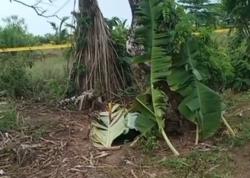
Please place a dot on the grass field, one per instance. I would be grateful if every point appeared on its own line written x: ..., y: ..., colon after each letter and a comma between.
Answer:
x: 49, y: 76
x: 50, y: 67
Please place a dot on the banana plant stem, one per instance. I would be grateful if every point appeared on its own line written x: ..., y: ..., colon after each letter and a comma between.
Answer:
x: 228, y: 126
x: 172, y: 148
x: 197, y: 135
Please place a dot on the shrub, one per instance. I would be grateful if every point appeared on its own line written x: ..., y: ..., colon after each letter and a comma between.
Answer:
x: 7, y: 117
x: 15, y: 34
x: 13, y: 77
x: 212, y: 61
x: 238, y: 49
x: 21, y: 76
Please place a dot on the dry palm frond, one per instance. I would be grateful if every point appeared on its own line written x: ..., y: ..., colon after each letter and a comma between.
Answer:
x: 95, y: 54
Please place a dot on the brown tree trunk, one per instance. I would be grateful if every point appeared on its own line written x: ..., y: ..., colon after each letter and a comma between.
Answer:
x: 133, y: 6
x: 96, y: 66
x: 141, y: 71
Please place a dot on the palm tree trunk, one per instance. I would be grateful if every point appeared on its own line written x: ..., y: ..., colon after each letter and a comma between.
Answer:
x: 96, y: 66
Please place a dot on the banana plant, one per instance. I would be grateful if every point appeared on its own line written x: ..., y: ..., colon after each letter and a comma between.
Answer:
x: 154, y: 42
x: 201, y: 105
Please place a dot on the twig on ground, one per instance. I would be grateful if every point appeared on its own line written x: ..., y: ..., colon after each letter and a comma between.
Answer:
x: 133, y: 174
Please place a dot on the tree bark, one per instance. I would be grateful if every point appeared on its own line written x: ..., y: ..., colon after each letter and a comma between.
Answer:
x: 133, y: 6
x: 96, y: 66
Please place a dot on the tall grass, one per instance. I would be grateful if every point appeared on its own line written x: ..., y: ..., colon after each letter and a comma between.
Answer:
x: 8, y: 117
x: 48, y: 77
x: 43, y: 78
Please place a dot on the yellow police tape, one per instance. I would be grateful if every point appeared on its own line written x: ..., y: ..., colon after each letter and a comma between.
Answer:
x: 34, y: 48
x: 50, y: 46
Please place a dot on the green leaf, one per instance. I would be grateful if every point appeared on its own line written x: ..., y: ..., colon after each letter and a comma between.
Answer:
x: 145, y: 121
x: 201, y: 104
x: 140, y: 122
x: 154, y: 42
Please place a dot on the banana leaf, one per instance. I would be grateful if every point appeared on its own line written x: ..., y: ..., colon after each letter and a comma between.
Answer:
x: 201, y: 105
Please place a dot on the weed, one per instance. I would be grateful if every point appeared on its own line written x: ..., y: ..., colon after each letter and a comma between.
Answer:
x: 149, y: 144
x: 198, y: 164
x: 8, y: 117
x: 243, y: 133
x: 215, y: 163
x: 48, y: 78
x: 13, y: 77
x: 39, y: 133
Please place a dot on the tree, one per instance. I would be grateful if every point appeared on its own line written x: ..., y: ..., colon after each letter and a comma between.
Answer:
x: 15, y: 34
x: 238, y: 12
x: 133, y: 47
x: 61, y: 33
x: 133, y: 6
x: 37, y: 8
x: 95, y: 61
x: 203, y: 12
x: 96, y: 65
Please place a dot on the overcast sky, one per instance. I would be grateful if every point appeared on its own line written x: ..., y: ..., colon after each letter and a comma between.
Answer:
x: 39, y: 25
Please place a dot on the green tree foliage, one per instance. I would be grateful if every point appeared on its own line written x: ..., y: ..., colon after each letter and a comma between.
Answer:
x: 119, y: 34
x: 61, y: 32
x: 14, y: 79
x: 238, y: 12
x: 156, y: 22
x: 203, y: 12
x: 200, y: 104
x: 14, y: 33
x: 239, y: 51
x: 212, y: 60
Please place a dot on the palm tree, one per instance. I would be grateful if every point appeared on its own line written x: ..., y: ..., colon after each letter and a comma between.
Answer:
x: 61, y: 33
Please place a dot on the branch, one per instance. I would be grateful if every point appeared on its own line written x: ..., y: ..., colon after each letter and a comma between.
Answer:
x: 39, y: 11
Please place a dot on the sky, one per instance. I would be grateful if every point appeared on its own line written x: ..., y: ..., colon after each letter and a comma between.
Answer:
x: 39, y: 25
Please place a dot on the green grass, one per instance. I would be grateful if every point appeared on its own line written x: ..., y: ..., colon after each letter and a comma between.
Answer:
x: 221, y: 38
x: 238, y: 115
x: 29, y: 76
x: 49, y: 78
x: 199, y: 164
x: 49, y: 68
x: 217, y: 162
x: 8, y: 117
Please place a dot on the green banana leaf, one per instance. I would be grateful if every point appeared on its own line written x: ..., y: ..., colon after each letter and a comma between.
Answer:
x: 201, y: 105
x: 145, y: 121
x: 155, y: 40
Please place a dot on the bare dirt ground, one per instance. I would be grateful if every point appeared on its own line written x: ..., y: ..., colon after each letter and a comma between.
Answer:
x: 54, y: 143
x: 241, y: 158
